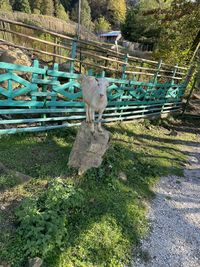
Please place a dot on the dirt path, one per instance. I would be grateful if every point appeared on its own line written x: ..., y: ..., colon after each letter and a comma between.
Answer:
x: 174, y: 217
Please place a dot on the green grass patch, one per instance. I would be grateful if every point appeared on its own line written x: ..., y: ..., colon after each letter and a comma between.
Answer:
x: 92, y: 220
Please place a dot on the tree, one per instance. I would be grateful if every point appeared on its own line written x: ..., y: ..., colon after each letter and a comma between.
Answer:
x: 132, y: 3
x: 59, y: 10
x: 138, y: 28
x: 154, y: 4
x: 68, y: 4
x: 102, y: 25
x: 86, y: 19
x: 5, y: 5
x: 22, y: 5
x: 61, y: 14
x: 98, y: 8
x: 37, y: 6
x: 180, y: 32
x: 47, y: 7
x: 116, y: 11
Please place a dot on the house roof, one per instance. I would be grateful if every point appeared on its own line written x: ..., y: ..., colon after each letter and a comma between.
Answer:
x: 110, y: 34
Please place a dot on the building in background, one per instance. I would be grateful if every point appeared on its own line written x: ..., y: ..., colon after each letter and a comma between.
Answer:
x: 116, y: 38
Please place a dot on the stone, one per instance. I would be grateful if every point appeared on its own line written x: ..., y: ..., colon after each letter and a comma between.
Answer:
x: 35, y: 262
x: 4, y: 264
x: 18, y: 57
x: 173, y: 133
x: 122, y: 176
x: 88, y: 148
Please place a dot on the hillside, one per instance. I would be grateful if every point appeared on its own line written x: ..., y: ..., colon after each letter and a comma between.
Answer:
x: 49, y: 23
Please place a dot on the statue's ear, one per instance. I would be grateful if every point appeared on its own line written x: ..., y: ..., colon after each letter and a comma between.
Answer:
x: 106, y: 82
x: 81, y: 78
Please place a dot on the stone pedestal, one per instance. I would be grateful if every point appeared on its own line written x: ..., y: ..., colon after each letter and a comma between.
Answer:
x: 88, y: 148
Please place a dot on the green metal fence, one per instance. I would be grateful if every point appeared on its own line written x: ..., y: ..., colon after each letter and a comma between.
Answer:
x: 39, y: 98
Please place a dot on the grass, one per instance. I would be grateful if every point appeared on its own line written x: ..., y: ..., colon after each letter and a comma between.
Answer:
x: 111, y: 216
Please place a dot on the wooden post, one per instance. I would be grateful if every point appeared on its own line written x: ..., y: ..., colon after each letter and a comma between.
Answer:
x: 54, y: 49
x: 139, y: 75
x: 73, y: 55
x: 106, y: 61
x: 90, y: 72
x: 189, y: 75
x: 44, y: 89
x: 174, y: 73
x: 190, y: 95
x: 34, y: 76
x: 124, y: 66
x: 54, y: 97
x: 102, y: 74
x: 157, y: 72
x: 10, y: 86
x: 80, y: 65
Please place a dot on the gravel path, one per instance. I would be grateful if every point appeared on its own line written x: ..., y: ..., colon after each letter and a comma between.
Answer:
x: 174, y: 218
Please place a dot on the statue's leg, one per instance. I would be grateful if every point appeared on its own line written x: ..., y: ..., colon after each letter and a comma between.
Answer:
x: 92, y: 119
x: 99, y: 121
x: 87, y: 113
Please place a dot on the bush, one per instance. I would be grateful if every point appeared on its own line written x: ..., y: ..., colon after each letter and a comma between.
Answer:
x: 43, y: 220
x: 102, y: 25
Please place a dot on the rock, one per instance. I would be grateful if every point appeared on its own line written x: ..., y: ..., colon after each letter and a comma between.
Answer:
x: 122, y: 176
x: 21, y: 177
x: 173, y: 132
x: 3, y: 47
x: 88, y: 149
x: 4, y: 264
x: 16, y: 56
x: 35, y: 262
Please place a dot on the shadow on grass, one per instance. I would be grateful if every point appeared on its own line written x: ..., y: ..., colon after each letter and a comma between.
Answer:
x: 112, y: 216
x: 42, y: 155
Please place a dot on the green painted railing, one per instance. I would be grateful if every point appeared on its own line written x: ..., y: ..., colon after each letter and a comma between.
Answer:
x: 37, y: 99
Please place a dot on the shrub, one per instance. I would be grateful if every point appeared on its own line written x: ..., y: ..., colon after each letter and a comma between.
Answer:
x: 43, y: 220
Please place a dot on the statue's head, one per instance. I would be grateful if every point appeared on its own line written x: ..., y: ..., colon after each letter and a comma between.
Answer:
x: 102, y: 84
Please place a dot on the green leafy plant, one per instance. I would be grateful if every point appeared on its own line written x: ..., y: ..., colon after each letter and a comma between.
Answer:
x: 43, y: 220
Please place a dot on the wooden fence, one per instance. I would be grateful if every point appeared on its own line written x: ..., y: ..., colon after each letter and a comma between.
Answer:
x: 39, y: 98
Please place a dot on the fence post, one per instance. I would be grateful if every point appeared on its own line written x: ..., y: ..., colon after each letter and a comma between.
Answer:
x: 157, y: 71
x: 155, y: 78
x: 124, y: 66
x: 80, y: 65
x: 174, y: 73
x: 34, y: 76
x: 186, y: 82
x: 54, y: 96
x: 44, y: 89
x: 10, y: 86
x: 90, y: 72
x: 103, y: 74
x: 106, y: 61
x: 189, y: 97
x: 55, y: 49
x: 73, y: 55
x: 71, y: 69
x: 141, y: 65
x: 189, y: 75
